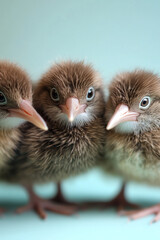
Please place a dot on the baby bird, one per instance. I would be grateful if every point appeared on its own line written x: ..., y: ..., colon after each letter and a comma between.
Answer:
x: 16, y: 98
x: 133, y: 149
x: 70, y: 99
x: 15, y: 108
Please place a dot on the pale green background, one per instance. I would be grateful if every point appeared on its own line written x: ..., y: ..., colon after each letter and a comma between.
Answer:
x: 114, y: 36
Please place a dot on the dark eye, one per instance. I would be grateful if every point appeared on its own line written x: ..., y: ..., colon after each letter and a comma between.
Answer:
x: 3, y: 99
x: 145, y: 102
x: 90, y: 94
x: 54, y: 94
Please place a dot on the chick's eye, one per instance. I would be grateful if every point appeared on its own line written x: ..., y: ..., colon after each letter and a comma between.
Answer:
x: 54, y: 94
x: 144, y: 103
x: 3, y: 99
x: 90, y: 94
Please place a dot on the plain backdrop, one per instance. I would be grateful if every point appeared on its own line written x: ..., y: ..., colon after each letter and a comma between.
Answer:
x: 114, y: 36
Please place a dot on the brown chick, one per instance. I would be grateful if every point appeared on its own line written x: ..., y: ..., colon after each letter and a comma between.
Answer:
x: 16, y: 98
x: 132, y: 146
x: 70, y: 99
x: 15, y: 108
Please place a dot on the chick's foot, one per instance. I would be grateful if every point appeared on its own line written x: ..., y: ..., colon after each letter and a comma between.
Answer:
x: 137, y: 214
x: 40, y: 205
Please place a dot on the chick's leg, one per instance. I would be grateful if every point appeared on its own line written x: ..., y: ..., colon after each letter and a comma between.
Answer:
x: 39, y: 205
x: 59, y: 198
x: 59, y: 195
x: 120, y: 202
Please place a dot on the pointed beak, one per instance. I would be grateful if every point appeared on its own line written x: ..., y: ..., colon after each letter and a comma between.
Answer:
x: 72, y: 108
x: 121, y: 114
x: 27, y: 112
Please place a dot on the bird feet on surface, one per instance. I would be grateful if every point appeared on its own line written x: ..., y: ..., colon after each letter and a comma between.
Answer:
x: 136, y: 214
x: 119, y: 202
x: 39, y: 205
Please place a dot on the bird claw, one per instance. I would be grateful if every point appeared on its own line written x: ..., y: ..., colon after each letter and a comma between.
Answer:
x: 134, y: 215
x: 40, y: 205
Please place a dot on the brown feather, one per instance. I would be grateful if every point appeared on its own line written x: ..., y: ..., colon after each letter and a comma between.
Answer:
x: 14, y: 81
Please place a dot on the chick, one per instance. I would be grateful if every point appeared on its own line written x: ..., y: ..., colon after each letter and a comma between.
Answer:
x: 132, y: 149
x: 15, y: 108
x: 16, y: 98
x: 70, y: 99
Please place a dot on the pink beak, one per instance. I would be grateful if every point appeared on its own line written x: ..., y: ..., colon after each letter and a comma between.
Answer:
x: 121, y: 114
x: 27, y: 112
x: 72, y: 108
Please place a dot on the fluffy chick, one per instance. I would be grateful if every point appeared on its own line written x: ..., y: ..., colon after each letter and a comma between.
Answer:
x: 70, y: 99
x: 15, y: 108
x: 132, y: 146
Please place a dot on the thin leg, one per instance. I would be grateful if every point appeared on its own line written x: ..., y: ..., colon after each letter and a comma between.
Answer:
x: 120, y: 202
x: 39, y: 205
x: 59, y: 198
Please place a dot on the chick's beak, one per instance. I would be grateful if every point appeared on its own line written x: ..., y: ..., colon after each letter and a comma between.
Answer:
x: 72, y: 108
x: 27, y: 112
x: 121, y: 114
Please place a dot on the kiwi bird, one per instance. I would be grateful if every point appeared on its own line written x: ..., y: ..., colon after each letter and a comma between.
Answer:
x: 70, y: 98
x: 133, y: 124
x: 15, y: 108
